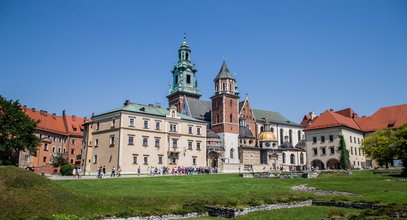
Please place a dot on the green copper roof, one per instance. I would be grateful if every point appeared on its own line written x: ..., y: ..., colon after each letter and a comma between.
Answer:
x: 150, y: 110
x: 224, y: 72
x: 273, y: 117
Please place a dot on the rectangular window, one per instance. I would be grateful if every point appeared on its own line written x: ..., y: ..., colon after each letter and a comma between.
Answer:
x: 135, y: 158
x: 331, y: 138
x: 351, y: 150
x: 45, y: 147
x: 53, y: 149
x: 322, y: 139
x: 174, y: 142
x: 354, y: 140
x: 71, y: 160
x: 173, y: 128
x: 145, y: 123
x: 350, y: 138
x: 189, y: 130
x: 73, y: 141
x: 189, y: 145
x: 160, y: 160
x: 198, y: 145
x: 95, y: 158
x: 145, y: 141
x: 332, y: 149
x: 72, y: 151
x: 359, y: 152
x: 194, y: 160
x: 96, y: 142
x: 131, y: 140
x: 314, y: 140
x: 111, y: 140
x: 131, y: 122
x: 145, y: 159
x: 44, y: 159
x: 198, y: 131
x: 97, y: 126
x: 315, y: 151
x: 323, y: 149
x: 188, y: 79
x: 157, y: 125
x: 157, y: 142
x: 113, y: 122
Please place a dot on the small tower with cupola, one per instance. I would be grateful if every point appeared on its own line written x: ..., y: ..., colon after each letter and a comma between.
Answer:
x: 225, y: 113
x: 184, y: 83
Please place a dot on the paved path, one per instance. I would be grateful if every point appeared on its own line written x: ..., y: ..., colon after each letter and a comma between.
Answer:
x: 58, y: 177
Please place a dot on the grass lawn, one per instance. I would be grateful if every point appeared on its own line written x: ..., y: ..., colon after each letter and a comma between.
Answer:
x: 24, y: 194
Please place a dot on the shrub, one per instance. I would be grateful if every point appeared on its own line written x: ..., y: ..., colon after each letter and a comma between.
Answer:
x: 66, y: 170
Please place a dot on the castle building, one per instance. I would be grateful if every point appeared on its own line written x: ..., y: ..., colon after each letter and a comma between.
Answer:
x: 141, y: 136
x: 58, y: 135
x: 322, y: 134
x: 233, y: 122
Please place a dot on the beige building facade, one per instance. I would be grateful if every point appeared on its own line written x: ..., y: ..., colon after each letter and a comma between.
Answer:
x: 137, y: 137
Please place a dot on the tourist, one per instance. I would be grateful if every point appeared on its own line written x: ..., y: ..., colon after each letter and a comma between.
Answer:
x: 103, y: 172
x: 79, y: 172
x: 119, y: 171
x: 113, y: 174
x: 99, y: 172
x: 74, y: 172
x: 138, y: 171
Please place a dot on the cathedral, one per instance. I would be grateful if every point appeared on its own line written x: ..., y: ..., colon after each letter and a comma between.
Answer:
x: 239, y: 137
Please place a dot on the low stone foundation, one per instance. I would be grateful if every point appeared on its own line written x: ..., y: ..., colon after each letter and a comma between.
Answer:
x: 280, y: 175
x: 309, y: 189
x: 163, y: 217
x: 348, y: 205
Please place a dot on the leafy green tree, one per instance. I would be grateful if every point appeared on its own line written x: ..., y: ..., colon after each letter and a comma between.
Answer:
x: 344, y: 153
x: 59, y: 160
x: 401, y: 146
x: 381, y: 146
x: 16, y: 132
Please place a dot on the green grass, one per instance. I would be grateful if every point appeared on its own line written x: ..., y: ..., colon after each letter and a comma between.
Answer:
x: 24, y: 194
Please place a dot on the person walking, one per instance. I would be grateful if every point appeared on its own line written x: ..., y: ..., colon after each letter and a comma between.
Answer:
x: 119, y: 171
x: 74, y: 172
x: 138, y: 171
x: 113, y: 174
x: 79, y: 171
x: 103, y: 171
x: 99, y: 172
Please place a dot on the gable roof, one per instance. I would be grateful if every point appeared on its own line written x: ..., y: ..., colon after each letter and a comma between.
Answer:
x: 74, y: 124
x: 224, y: 72
x: 198, y: 109
x: 150, y: 110
x: 273, y: 117
x: 348, y: 112
x: 48, y: 122
x: 332, y: 119
x: 387, y: 117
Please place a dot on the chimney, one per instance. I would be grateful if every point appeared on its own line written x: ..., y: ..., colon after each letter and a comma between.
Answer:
x: 33, y: 109
x: 73, y: 117
x: 54, y: 116
x: 331, y: 109
x: 93, y: 114
x: 312, y: 115
x: 63, y: 112
x: 127, y: 102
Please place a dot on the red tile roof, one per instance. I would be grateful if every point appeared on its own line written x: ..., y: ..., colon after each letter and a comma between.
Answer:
x: 75, y: 124
x: 387, y: 117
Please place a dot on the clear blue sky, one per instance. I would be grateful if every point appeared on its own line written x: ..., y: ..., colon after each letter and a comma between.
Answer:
x: 290, y: 56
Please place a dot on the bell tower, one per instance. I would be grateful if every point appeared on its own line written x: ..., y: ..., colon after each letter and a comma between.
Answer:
x: 184, y: 83
x: 225, y: 112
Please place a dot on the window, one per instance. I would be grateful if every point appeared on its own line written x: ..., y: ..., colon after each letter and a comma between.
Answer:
x: 351, y: 150
x: 189, y: 130
x: 301, y: 158
x: 174, y: 143
x: 45, y: 147
x: 283, y: 157
x: 157, y: 142
x: 331, y: 138
x: 188, y: 79
x: 95, y: 158
x: 350, y: 138
x: 131, y: 122
x: 290, y: 136
x: 322, y: 139
x: 135, y: 158
x: 145, y: 141
x: 145, y: 123
x: 64, y: 150
x: 54, y: 138
x: 59, y: 150
x: 358, y: 140
x: 323, y: 149
x: 231, y: 103
x: 111, y: 140
x: 315, y: 151
x: 53, y: 149
x: 231, y: 153
x: 332, y: 150
x: 299, y: 135
x: 145, y: 159
x: 281, y: 136
x: 314, y: 140
x: 217, y: 118
x: 359, y: 152
x: 74, y: 129
x: 73, y: 141
x: 173, y: 128
x: 160, y: 159
x: 292, y: 159
x: 354, y: 140
x: 97, y: 126
x: 72, y: 151
x: 194, y: 160
x: 217, y: 86
x: 131, y: 140
x: 198, y: 131
x: 189, y: 145
x: 223, y: 86
x: 96, y: 142
x: 71, y: 160
x: 231, y: 118
x: 198, y: 145
x: 157, y: 125
x: 113, y: 122
x: 44, y: 159
x: 230, y: 87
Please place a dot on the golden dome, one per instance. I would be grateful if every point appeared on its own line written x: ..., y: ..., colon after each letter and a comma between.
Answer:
x: 267, y: 136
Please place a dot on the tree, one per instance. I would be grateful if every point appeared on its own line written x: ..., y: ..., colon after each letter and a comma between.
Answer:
x: 344, y: 153
x: 401, y: 146
x: 380, y: 146
x: 59, y: 160
x: 16, y: 132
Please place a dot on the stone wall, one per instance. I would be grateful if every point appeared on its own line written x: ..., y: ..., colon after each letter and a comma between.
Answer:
x: 348, y: 205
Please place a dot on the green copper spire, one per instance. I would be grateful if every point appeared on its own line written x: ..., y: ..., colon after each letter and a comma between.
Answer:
x: 184, y: 73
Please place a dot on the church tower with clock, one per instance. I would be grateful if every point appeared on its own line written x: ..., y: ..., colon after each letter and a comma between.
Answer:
x: 184, y: 83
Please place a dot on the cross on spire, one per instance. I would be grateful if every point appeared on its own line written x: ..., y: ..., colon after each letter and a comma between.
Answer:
x: 185, y: 36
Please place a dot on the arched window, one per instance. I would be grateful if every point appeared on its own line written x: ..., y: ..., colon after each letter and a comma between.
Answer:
x: 290, y: 135
x: 187, y: 56
x: 299, y: 135
x: 231, y: 118
x: 224, y: 86
x: 261, y: 129
x: 231, y: 88
x: 283, y: 157
x: 292, y: 159
x: 302, y: 158
x: 217, y: 118
x: 217, y: 86
x: 231, y: 103
x: 281, y: 136
x: 272, y: 130
x: 231, y: 153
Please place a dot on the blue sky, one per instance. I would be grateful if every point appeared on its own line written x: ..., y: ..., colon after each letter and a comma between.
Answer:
x: 289, y: 56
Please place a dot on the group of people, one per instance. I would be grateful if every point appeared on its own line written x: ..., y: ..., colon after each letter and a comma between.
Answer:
x: 180, y: 170
x: 77, y: 172
x: 115, y: 172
